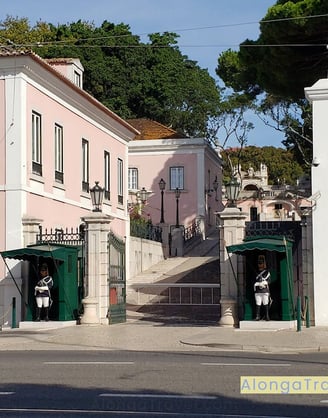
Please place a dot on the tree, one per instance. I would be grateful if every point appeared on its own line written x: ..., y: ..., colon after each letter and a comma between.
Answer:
x: 291, y: 46
x: 272, y: 71
x: 282, y: 167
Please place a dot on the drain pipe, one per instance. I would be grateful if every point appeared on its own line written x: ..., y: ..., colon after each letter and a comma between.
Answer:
x: 13, y: 314
x: 307, y: 312
x: 299, y: 318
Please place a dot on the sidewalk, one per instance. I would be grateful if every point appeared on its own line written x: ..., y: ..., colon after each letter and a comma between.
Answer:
x: 139, y: 335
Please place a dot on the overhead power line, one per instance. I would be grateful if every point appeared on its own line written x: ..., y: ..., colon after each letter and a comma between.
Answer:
x: 148, y: 46
x: 72, y: 42
x: 248, y: 23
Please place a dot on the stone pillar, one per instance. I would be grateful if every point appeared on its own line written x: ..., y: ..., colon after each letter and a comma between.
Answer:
x: 96, y: 301
x: 232, y: 231
x: 165, y: 239
x: 30, y: 230
x: 177, y: 242
x: 201, y: 222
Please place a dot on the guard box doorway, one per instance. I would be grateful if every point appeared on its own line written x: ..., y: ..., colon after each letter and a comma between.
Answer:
x: 65, y: 265
x: 278, y: 253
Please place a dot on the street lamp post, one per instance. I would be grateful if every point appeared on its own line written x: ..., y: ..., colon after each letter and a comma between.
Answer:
x: 141, y: 199
x: 162, y: 188
x: 177, y: 196
x: 143, y: 195
x: 96, y: 194
x: 232, y: 191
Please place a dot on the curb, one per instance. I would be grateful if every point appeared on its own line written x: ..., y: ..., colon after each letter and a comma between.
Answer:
x: 256, y: 348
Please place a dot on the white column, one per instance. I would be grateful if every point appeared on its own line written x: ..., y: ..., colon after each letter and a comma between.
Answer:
x: 96, y: 302
x: 318, y: 95
x: 232, y: 231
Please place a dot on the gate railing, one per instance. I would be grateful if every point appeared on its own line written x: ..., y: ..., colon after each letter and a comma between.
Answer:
x: 62, y: 236
x: 116, y: 279
x: 177, y: 294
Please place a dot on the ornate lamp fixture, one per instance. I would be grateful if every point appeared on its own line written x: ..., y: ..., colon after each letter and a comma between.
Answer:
x: 232, y: 192
x: 96, y: 194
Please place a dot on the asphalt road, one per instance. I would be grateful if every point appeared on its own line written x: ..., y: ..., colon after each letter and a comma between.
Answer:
x: 152, y: 384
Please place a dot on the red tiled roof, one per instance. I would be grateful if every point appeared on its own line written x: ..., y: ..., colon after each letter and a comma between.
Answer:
x: 7, y: 51
x: 59, y: 60
x: 150, y: 129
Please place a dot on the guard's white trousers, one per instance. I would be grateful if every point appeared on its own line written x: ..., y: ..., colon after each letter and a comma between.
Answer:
x: 42, y: 301
x: 262, y: 298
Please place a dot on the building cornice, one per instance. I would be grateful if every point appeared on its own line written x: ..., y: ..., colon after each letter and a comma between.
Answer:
x: 319, y: 90
x: 42, y: 73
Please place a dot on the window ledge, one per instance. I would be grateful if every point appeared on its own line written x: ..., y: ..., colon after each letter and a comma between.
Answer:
x: 37, y: 177
x: 58, y: 185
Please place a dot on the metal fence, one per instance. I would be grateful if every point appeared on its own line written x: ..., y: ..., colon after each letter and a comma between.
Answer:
x: 146, y: 231
x: 177, y: 294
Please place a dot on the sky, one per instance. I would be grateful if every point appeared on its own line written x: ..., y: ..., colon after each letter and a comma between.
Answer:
x: 206, y: 28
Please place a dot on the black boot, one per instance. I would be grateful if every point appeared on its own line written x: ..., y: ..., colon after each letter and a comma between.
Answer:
x: 38, y: 312
x: 47, y: 314
x: 258, y: 313
x: 267, y: 318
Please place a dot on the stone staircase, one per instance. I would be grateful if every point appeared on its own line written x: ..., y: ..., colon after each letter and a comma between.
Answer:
x: 191, y: 282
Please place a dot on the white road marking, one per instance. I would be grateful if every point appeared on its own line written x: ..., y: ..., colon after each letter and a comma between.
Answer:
x: 131, y: 413
x: 7, y: 393
x: 82, y: 363
x: 57, y: 411
x: 247, y: 364
x: 150, y: 395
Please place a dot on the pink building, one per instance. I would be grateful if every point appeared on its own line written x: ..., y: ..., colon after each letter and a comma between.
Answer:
x: 56, y: 140
x: 190, y: 164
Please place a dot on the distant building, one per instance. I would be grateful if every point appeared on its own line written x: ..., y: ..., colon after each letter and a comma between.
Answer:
x: 264, y: 202
x: 190, y: 164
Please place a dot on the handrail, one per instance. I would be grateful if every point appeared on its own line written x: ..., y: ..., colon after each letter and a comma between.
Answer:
x: 192, y: 230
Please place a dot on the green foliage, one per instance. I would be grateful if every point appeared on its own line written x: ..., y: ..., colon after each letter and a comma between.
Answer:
x: 281, y: 164
x: 139, y: 225
x: 19, y: 33
x: 134, y: 79
x: 272, y: 71
x: 267, y: 65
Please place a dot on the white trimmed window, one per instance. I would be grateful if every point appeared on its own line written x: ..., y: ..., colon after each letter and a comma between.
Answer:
x: 85, y: 165
x: 77, y: 79
x: 176, y: 178
x: 120, y: 181
x: 133, y: 179
x: 107, y: 175
x: 36, y: 144
x: 59, y: 154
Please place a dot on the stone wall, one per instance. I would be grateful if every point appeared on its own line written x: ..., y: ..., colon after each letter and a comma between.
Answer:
x: 143, y: 254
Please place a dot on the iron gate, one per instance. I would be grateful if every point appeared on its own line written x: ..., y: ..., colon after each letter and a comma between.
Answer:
x: 116, y: 280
